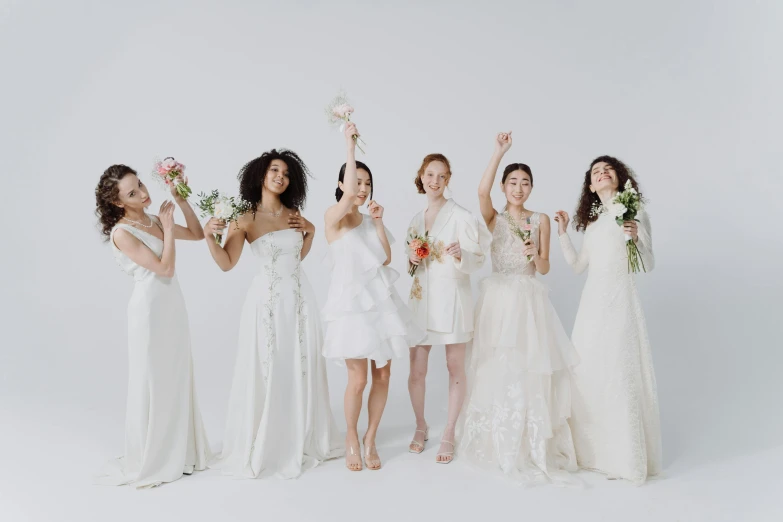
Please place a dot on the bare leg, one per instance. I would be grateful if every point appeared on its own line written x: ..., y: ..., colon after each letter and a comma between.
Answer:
x: 357, y: 381
x: 455, y: 361
x: 379, y: 391
x: 417, y: 387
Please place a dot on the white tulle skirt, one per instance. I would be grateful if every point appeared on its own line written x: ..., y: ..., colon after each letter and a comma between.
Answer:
x: 519, y: 397
x: 364, y: 317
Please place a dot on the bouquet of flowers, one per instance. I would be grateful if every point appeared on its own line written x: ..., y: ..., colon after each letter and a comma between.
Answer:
x: 222, y: 207
x: 420, y: 245
x: 523, y: 232
x: 624, y: 207
x: 167, y: 172
x: 339, y: 113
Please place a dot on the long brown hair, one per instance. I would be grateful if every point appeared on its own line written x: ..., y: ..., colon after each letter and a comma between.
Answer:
x: 106, y: 196
x: 583, y: 215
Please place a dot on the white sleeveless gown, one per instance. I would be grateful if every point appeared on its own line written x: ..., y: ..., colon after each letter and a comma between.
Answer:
x: 164, y: 433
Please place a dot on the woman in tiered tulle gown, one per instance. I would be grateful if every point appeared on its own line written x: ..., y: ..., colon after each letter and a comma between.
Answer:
x: 615, y: 417
x: 164, y: 435
x: 279, y: 421
x: 519, y: 398
x: 365, y: 318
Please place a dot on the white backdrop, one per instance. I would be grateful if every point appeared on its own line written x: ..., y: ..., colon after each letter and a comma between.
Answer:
x: 687, y: 93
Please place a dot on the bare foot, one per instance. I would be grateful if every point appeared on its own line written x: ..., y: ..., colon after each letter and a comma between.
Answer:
x: 419, y: 438
x: 353, y: 459
x: 371, y: 458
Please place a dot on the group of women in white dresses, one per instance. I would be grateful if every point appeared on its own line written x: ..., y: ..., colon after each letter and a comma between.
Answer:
x: 524, y: 399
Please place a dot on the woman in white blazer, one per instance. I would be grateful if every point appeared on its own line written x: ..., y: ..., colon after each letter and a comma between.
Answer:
x: 441, y: 297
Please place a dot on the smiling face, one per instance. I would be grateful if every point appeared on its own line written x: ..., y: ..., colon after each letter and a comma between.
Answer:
x: 132, y: 193
x: 603, y: 176
x: 364, y: 184
x: 435, y: 178
x: 517, y: 187
x: 276, y: 179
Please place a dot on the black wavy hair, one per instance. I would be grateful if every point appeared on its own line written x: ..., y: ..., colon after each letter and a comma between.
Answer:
x: 252, y: 176
x: 359, y: 165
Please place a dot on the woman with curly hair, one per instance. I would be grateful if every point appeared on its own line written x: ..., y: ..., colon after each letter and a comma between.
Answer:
x: 441, y: 297
x: 279, y: 421
x: 614, y: 418
x: 164, y: 435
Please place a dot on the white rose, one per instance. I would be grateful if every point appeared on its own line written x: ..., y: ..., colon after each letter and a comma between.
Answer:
x: 223, y: 210
x: 617, y: 210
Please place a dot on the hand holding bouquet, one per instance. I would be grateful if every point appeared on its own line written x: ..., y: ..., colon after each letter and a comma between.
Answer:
x: 420, y: 248
x: 624, y: 207
x: 171, y: 173
x: 224, y: 208
x: 339, y: 113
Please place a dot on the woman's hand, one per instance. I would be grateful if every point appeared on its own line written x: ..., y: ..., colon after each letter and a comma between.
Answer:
x: 503, y: 142
x: 166, y: 216
x: 631, y: 228
x: 298, y: 222
x: 561, y: 216
x: 454, y: 250
x: 376, y: 211
x: 173, y: 188
x: 349, y: 132
x: 530, y: 250
x: 214, y: 227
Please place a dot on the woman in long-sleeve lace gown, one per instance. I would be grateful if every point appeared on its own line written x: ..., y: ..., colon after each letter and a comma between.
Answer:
x: 614, y: 418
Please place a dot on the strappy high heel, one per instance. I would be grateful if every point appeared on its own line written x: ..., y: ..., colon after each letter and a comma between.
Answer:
x: 419, y: 445
x: 449, y: 454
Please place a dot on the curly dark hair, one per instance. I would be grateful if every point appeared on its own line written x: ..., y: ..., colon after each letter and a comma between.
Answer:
x: 513, y: 167
x: 429, y: 158
x: 106, y: 196
x: 338, y: 193
x: 252, y: 176
x: 582, y: 216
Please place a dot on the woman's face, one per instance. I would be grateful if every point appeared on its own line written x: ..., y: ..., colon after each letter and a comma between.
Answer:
x: 276, y: 179
x: 133, y: 193
x: 603, y: 176
x: 517, y: 187
x: 435, y: 178
x: 364, y: 184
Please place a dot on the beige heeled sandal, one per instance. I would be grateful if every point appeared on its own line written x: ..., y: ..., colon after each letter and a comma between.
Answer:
x: 449, y: 454
x: 419, y: 445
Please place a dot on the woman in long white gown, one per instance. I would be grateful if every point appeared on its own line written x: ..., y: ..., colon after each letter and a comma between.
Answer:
x: 364, y: 316
x: 279, y: 421
x: 614, y: 419
x: 164, y: 434
x: 441, y: 297
x: 515, y: 418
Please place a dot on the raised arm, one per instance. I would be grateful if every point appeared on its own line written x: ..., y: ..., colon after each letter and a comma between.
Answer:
x: 193, y: 230
x: 227, y: 256
x: 502, y: 144
x: 577, y: 260
x: 350, y: 184
x: 140, y: 254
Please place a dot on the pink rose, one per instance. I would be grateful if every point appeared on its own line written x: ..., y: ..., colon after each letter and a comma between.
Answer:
x: 341, y: 111
x: 415, y: 244
x: 169, y: 163
x: 527, y: 227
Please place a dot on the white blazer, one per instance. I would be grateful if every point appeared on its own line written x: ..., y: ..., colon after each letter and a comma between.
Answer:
x: 441, y: 285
